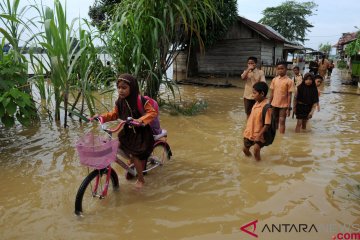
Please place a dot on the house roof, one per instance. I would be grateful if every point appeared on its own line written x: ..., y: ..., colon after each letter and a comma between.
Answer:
x: 265, y: 31
x: 270, y: 33
x: 346, y: 38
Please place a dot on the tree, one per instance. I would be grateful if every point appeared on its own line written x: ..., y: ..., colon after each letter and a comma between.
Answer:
x: 102, y: 12
x: 325, y: 48
x: 143, y: 37
x: 290, y: 19
x: 227, y: 12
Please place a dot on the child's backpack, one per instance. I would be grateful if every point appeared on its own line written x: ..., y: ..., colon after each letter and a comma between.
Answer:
x: 155, y: 124
x: 269, y: 134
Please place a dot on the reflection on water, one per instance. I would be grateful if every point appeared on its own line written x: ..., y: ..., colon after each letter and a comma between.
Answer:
x: 207, y: 191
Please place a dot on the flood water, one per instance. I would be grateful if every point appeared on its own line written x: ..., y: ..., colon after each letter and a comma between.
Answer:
x: 208, y: 190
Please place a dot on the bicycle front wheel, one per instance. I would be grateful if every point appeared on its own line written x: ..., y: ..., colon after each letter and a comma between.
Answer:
x: 91, y: 189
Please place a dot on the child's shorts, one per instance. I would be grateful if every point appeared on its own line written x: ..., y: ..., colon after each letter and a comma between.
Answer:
x: 248, y: 104
x: 248, y: 143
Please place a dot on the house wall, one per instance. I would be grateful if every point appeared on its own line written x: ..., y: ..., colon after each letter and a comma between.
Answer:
x: 279, y: 52
x: 271, y: 52
x: 267, y: 53
x: 229, y: 55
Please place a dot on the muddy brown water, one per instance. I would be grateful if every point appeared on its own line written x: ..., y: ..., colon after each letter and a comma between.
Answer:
x: 207, y: 191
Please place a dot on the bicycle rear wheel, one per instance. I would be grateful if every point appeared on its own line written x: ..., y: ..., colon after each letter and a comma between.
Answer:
x: 160, y: 155
x: 91, y: 189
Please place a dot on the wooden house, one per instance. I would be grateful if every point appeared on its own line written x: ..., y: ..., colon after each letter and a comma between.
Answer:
x: 345, y: 39
x: 228, y: 56
x: 354, y: 60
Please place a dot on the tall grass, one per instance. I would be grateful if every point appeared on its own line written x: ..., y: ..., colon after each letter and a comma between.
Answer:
x: 63, y: 52
x: 145, y: 35
x: 11, y: 18
x: 86, y: 82
x: 142, y: 40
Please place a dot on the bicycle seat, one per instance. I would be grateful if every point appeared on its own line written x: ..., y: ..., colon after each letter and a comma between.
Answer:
x: 162, y: 134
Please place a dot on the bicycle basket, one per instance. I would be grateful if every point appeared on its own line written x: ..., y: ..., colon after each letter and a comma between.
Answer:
x: 96, y: 151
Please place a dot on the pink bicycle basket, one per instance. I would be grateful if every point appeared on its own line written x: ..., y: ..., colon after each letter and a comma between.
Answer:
x: 96, y: 151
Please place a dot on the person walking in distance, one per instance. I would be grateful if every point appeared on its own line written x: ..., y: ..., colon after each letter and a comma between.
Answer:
x: 323, y: 66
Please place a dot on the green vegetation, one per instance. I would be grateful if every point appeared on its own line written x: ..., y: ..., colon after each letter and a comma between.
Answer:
x: 290, y: 19
x: 102, y: 12
x: 325, y: 48
x: 141, y: 37
x: 341, y: 64
x: 227, y: 15
x: 353, y: 48
x: 15, y: 100
x: 70, y: 68
x: 58, y: 42
x: 144, y: 36
x: 186, y: 108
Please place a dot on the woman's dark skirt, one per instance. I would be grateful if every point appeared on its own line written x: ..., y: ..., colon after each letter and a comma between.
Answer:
x: 302, y: 111
x: 138, y: 143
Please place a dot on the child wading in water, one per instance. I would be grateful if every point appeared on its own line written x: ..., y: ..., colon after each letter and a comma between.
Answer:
x: 280, y: 97
x: 251, y: 76
x: 136, y: 143
x: 306, y: 100
x: 255, y: 128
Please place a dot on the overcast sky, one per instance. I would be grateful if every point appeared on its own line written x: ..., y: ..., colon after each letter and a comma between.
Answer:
x: 331, y: 20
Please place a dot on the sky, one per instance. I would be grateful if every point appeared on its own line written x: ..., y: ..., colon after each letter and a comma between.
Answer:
x: 331, y: 20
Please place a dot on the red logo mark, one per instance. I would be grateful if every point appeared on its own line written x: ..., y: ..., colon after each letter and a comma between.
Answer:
x: 244, y: 228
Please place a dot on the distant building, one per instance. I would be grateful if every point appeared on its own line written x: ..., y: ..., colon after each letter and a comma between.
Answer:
x: 353, y: 62
x: 345, y: 39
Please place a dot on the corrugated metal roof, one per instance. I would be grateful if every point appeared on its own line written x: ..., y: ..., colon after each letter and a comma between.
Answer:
x: 263, y: 30
x: 346, y: 38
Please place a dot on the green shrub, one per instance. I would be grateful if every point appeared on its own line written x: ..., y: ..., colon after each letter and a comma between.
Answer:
x: 186, y: 108
x: 15, y: 103
x: 341, y: 64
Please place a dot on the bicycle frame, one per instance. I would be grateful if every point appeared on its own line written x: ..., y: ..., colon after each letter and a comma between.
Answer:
x: 99, y: 181
x: 106, y: 187
x: 125, y: 166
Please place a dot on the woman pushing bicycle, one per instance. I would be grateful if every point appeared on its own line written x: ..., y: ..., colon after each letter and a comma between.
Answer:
x: 136, y: 143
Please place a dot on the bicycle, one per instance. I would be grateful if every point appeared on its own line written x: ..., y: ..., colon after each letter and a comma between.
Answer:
x: 99, y: 153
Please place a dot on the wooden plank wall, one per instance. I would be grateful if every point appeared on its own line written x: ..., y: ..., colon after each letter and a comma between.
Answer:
x: 279, y: 52
x: 267, y: 53
x: 229, y: 56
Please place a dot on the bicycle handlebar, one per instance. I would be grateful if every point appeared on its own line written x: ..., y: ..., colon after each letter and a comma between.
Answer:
x: 130, y: 121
